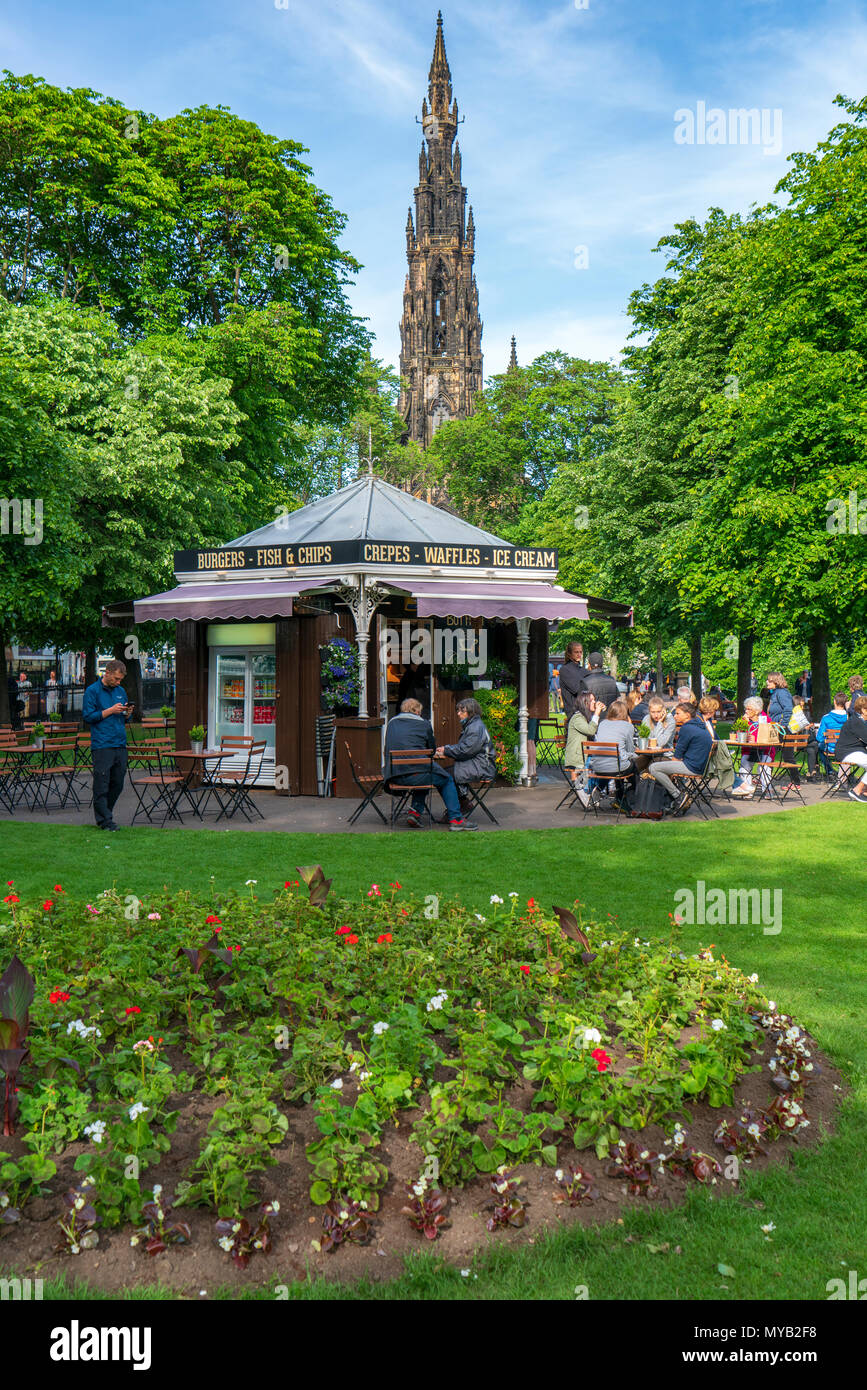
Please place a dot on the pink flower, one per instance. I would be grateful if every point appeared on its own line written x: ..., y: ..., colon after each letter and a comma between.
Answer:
x: 374, y: 891
x: 94, y: 911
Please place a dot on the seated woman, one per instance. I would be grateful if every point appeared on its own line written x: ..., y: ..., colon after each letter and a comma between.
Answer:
x: 615, y: 727
x: 582, y: 725
x: 708, y: 708
x: 661, y: 722
x: 475, y: 759
x: 754, y: 711
x: 637, y: 707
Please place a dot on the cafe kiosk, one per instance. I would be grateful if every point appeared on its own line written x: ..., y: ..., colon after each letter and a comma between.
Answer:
x: 361, y: 564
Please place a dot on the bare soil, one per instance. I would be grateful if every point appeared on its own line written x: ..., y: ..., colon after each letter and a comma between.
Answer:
x: 196, y: 1270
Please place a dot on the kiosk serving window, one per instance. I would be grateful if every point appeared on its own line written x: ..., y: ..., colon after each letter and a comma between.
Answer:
x: 243, y: 695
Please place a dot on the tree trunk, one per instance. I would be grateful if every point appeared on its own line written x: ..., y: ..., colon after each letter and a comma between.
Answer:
x: 745, y: 666
x: 132, y: 682
x: 5, y: 711
x: 90, y: 666
x: 818, y: 646
x: 659, y: 665
x: 695, y: 665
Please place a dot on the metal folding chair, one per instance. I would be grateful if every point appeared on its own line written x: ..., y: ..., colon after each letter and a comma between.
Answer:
x: 791, y: 747
x: 477, y: 792
x: 235, y: 785
x: 402, y: 763
x: 55, y: 776
x: 843, y: 778
x: 698, y: 785
x: 550, y: 742
x: 622, y: 777
x: 155, y: 791
x: 369, y: 784
x: 326, y: 733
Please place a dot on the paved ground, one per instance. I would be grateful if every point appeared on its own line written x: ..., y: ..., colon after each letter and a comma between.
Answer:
x: 516, y: 808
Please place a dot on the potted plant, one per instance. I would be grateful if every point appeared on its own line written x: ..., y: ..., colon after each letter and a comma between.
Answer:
x: 740, y: 730
x: 497, y: 674
x: 642, y: 734
x: 166, y: 713
x: 37, y: 735
x: 54, y: 718
x: 197, y: 738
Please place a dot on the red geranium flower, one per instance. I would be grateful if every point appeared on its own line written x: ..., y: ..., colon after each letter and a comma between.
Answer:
x: 403, y: 912
x: 133, y: 1009
x: 9, y: 882
x: 58, y: 996
x: 57, y: 888
x: 234, y: 948
x: 525, y: 969
x: 218, y: 929
x: 384, y: 940
x: 47, y: 906
x: 601, y: 1058
x: 212, y: 919
x: 352, y: 940
x: 12, y: 898
x: 394, y: 885
x: 341, y: 931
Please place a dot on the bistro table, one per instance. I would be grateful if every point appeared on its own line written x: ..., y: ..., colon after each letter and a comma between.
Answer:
x: 18, y: 789
x: 645, y: 756
x: 199, y: 766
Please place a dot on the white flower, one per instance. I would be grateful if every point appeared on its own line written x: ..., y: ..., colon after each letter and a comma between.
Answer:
x: 495, y: 899
x: 353, y: 1066
x: 136, y: 1110
x: 77, y: 1026
x: 154, y: 917
x: 75, y: 1249
x: 379, y: 1028
x: 225, y: 1242
x: 337, y: 1085
x: 772, y: 1006
x: 95, y: 1131
x: 465, y: 1273
x: 592, y: 1035
x: 753, y: 1129
x: 559, y: 1175
x: 363, y: 1075
x: 437, y: 1001
x: 134, y: 1240
x: 718, y: 1026
x: 251, y: 880
x: 770, y: 1227
x: 419, y: 1188
x: 158, y: 1187
x: 479, y: 917
x: 275, y: 1206
x: 511, y: 895
x: 754, y: 979
x: 344, y: 1216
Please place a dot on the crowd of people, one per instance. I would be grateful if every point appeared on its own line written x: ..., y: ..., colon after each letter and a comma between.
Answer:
x: 596, y: 710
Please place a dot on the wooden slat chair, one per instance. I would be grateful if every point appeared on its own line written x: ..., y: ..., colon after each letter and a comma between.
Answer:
x: 792, y: 748
x: 160, y: 786
x: 235, y: 785
x: 404, y: 762
x: 369, y: 784
x: 56, y: 776
x: 842, y: 778
x: 697, y: 784
x: 622, y: 777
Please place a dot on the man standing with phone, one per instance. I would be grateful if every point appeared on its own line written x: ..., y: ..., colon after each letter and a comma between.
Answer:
x: 107, y: 717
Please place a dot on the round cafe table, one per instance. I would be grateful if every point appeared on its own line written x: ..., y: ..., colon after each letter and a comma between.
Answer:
x: 645, y: 756
x: 199, y: 767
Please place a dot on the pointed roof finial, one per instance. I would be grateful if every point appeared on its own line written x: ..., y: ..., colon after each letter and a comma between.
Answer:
x: 439, y: 67
x: 513, y: 359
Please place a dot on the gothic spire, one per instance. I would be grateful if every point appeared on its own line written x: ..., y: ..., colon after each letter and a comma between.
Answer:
x: 513, y: 359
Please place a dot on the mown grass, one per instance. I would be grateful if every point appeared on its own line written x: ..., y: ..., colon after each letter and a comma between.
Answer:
x: 814, y: 968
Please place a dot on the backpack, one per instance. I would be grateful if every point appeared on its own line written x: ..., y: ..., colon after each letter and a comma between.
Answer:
x: 648, y: 800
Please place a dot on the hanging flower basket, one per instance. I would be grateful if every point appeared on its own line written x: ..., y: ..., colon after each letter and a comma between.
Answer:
x: 340, y: 677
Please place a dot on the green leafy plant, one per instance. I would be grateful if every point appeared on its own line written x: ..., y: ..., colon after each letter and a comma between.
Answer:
x: 159, y: 1231
x: 240, y: 1239
x: 197, y: 733
x: 643, y: 730
x: 166, y: 712
x: 740, y: 726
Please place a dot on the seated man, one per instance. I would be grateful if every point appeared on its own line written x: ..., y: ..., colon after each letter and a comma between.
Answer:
x: 692, y: 745
x: 832, y: 722
x: 409, y: 731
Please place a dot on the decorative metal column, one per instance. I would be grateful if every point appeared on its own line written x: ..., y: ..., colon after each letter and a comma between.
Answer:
x: 362, y: 599
x: 523, y: 625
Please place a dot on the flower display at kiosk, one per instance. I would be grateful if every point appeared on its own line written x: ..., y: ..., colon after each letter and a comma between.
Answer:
x: 339, y: 674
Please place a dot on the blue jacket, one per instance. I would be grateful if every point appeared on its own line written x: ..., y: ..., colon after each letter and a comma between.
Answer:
x: 692, y: 744
x: 104, y: 733
x: 834, y: 719
x: 780, y: 706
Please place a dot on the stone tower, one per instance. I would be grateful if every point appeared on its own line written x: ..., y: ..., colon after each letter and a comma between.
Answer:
x: 440, y: 332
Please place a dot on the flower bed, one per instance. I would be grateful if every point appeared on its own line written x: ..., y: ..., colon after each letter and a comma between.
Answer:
x: 369, y: 1063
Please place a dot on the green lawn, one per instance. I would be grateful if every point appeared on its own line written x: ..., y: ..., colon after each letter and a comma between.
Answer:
x: 814, y: 968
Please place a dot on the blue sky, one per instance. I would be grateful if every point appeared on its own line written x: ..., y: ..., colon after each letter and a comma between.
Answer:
x: 569, y: 134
